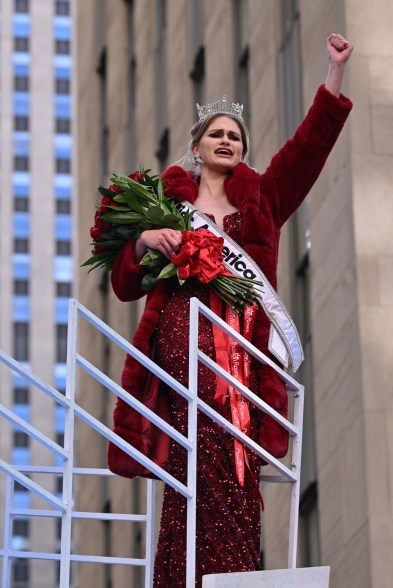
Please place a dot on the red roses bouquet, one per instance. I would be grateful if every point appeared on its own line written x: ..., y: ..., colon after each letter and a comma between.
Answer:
x: 136, y: 203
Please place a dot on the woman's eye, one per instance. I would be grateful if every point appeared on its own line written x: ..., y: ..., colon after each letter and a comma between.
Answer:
x: 234, y: 137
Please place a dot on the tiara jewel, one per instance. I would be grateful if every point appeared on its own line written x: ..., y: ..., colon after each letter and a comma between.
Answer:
x: 221, y: 106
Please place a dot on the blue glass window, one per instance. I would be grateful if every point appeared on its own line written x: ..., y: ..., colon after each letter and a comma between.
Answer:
x: 63, y: 151
x: 63, y: 226
x: 21, y: 224
x: 20, y: 188
x: 63, y: 106
x: 18, y: 381
x: 21, y: 104
x: 20, y: 456
x: 59, y: 419
x: 21, y: 58
x: 63, y: 73
x: 61, y: 310
x: 62, y: 60
x: 60, y: 375
x: 23, y: 411
x: 21, y: 499
x: 21, y: 25
x: 21, y: 143
x: 62, y: 28
x: 63, y: 181
x: 21, y: 135
x: 63, y: 192
x: 63, y: 268
x: 21, y: 69
x: 60, y: 382
x: 63, y: 143
x: 21, y: 309
x: 21, y: 266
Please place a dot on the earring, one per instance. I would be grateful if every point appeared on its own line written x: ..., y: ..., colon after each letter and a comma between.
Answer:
x: 197, y: 158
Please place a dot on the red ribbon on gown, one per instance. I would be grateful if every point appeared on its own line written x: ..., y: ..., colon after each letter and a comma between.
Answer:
x: 231, y: 357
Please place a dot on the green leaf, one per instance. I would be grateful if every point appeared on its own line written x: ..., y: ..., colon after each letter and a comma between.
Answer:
x: 148, y: 282
x: 126, y: 231
x: 155, y: 214
x: 111, y: 243
x: 120, y: 198
x: 153, y: 257
x: 137, y: 188
x: 187, y: 219
x: 181, y: 281
x: 122, y: 217
x: 120, y: 180
x: 117, y: 208
x: 168, y: 271
x: 160, y: 191
x: 106, y: 192
x: 173, y: 222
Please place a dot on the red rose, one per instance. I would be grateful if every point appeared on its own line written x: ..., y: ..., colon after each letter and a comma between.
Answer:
x: 136, y: 176
x: 200, y: 255
x: 101, y: 226
x: 115, y: 189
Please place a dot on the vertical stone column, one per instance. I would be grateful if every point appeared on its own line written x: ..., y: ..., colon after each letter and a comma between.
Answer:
x: 371, y: 86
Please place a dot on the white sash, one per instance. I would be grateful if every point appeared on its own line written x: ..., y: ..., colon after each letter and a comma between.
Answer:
x: 284, y: 341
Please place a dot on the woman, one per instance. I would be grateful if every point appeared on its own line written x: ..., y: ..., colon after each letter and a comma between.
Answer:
x: 251, y: 208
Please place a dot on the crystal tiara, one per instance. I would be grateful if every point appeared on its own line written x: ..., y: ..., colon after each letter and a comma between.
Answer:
x: 221, y: 106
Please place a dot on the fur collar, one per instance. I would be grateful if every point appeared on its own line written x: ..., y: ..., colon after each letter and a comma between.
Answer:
x: 241, y: 185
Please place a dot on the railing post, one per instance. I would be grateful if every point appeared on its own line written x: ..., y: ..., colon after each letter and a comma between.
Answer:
x: 295, y: 486
x: 192, y: 436
x: 9, y: 497
x: 150, y: 518
x: 69, y: 430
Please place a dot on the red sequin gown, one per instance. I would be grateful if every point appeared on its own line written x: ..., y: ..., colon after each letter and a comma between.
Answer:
x: 228, y: 516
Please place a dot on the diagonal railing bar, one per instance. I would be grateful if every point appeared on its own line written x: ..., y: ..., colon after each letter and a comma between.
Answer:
x: 230, y: 428
x: 65, y: 508
x: 31, y: 378
x: 32, y: 432
x: 291, y: 383
x: 133, y: 351
x: 132, y: 401
x: 132, y: 451
x: 258, y: 402
x: 32, y: 486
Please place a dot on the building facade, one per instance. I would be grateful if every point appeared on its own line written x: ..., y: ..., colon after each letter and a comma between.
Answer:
x: 36, y: 244
x: 142, y: 65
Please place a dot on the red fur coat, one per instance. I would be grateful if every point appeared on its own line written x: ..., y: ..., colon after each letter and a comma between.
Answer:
x: 266, y: 202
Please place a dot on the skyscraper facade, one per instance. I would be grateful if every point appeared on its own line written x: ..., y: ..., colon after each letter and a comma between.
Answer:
x: 36, y: 240
x: 142, y: 67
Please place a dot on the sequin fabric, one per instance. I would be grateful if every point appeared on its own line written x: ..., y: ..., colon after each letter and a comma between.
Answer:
x: 228, y: 516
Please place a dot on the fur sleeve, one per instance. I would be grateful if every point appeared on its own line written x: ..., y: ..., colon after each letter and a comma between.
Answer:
x: 127, y: 274
x: 293, y: 171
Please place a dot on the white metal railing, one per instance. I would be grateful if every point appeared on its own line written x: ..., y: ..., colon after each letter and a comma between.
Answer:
x: 64, y: 507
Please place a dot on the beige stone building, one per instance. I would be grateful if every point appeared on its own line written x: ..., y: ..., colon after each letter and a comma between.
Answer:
x: 142, y: 65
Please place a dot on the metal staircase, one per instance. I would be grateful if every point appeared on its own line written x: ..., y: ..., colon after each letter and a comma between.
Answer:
x: 63, y: 507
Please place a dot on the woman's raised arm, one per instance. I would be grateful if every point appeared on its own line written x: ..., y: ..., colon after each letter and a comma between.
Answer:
x: 339, y: 51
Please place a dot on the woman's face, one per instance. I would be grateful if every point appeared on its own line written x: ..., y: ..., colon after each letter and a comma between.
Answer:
x: 221, y: 147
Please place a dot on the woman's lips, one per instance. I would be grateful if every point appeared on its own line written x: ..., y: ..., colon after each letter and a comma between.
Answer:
x: 224, y: 151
